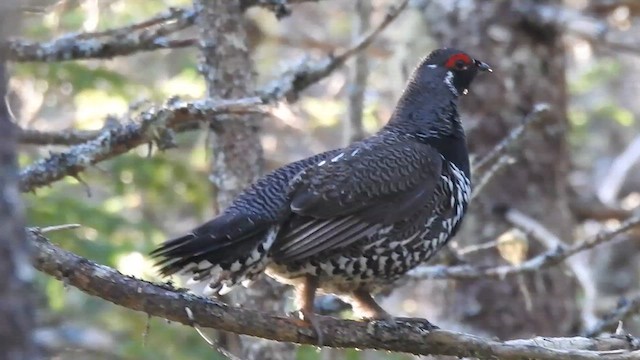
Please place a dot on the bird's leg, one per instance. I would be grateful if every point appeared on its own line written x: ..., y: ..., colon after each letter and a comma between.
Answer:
x: 364, y: 305
x: 305, y: 294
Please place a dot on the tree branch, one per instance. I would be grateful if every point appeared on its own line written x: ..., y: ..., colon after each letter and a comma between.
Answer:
x: 126, y: 137
x: 63, y: 137
x: 411, y: 336
x: 147, y: 35
x: 279, y: 7
x: 307, y: 73
x: 626, y: 308
x: 156, y: 125
x: 592, y: 29
x: 506, y: 144
x: 544, y: 260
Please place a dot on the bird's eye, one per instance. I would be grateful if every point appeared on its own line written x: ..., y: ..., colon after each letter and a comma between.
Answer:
x: 461, y: 65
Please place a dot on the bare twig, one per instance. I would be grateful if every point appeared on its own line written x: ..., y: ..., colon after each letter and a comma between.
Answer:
x: 399, y: 335
x: 503, y: 162
x: 546, y: 259
x: 47, y: 229
x: 610, y: 186
x: 155, y: 125
x: 147, y: 35
x: 577, y: 265
x: 293, y: 81
x: 512, y: 138
x: 626, y: 308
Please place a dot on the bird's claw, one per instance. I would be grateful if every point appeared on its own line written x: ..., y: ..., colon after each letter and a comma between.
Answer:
x: 310, y: 320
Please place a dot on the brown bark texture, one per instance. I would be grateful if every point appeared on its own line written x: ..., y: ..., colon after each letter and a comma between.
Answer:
x: 16, y: 273
x: 529, y: 68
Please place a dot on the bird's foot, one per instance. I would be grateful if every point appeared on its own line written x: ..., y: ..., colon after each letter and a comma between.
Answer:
x: 396, y: 323
x: 311, y: 320
x: 424, y: 324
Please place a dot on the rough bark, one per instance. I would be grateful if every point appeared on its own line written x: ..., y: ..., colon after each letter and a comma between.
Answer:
x: 237, y: 153
x: 529, y: 67
x: 16, y: 305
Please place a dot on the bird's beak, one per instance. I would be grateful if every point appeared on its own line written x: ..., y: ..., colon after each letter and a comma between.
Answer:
x: 483, y: 66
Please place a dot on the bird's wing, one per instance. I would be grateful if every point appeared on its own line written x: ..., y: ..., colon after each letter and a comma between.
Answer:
x: 240, y: 228
x: 354, y: 194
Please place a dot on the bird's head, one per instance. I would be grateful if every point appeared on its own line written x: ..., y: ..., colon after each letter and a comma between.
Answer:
x: 454, y: 67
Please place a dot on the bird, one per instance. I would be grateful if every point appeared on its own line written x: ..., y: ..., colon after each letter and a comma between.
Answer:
x: 349, y: 221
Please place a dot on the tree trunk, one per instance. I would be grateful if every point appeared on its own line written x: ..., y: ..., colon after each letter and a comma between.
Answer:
x: 237, y: 153
x: 529, y: 67
x: 16, y: 305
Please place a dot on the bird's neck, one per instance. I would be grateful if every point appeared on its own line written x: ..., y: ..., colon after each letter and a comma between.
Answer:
x: 433, y: 120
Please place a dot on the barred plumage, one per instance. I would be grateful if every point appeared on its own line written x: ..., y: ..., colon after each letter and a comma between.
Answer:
x: 350, y: 220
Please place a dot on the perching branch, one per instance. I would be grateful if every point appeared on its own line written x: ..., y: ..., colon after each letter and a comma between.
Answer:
x: 307, y: 73
x: 544, y: 260
x: 409, y: 336
x: 156, y: 125
x: 147, y: 35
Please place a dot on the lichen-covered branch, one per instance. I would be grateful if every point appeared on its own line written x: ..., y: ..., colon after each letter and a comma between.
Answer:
x: 544, y: 260
x: 156, y: 125
x: 307, y: 73
x: 151, y: 34
x: 409, y: 336
x: 63, y: 137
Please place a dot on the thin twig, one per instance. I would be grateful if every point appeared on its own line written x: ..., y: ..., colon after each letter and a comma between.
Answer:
x: 47, y: 229
x: 610, y: 186
x: 512, y: 138
x: 580, y: 270
x: 626, y: 308
x: 503, y: 162
x: 211, y: 342
x: 400, y: 335
x: 544, y: 260
x: 301, y: 76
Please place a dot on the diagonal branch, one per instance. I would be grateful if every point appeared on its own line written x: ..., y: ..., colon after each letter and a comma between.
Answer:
x: 596, y: 31
x: 626, y: 308
x: 544, y: 260
x: 155, y: 125
x: 506, y: 144
x: 409, y: 336
x: 63, y: 137
x: 147, y: 35
x: 293, y: 81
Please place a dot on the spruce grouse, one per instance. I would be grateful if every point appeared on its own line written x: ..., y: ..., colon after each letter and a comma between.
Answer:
x: 350, y: 220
